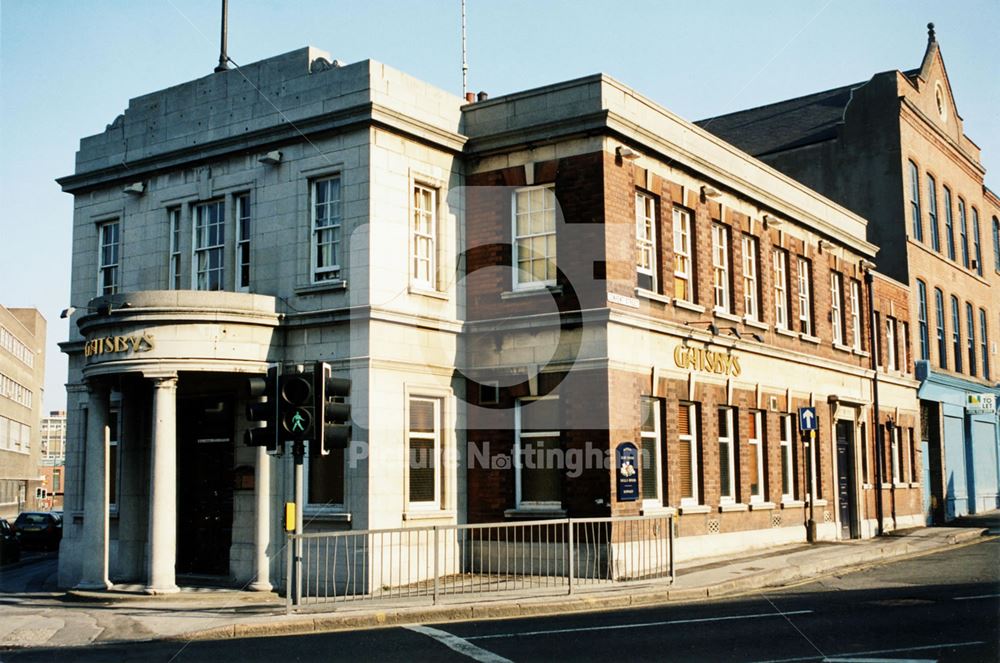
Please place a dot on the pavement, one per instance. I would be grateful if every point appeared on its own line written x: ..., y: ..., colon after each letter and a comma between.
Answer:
x: 37, y: 614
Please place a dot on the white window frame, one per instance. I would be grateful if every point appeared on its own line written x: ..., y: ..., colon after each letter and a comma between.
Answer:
x: 788, y: 457
x: 520, y: 282
x: 781, y: 303
x: 683, y: 256
x: 837, y: 306
x: 244, y: 231
x: 728, y: 441
x: 112, y: 226
x: 174, y: 216
x: 200, y: 232
x: 518, y: 502
x: 334, y: 207
x: 856, y: 314
x: 422, y: 216
x: 894, y: 437
x: 751, y: 293
x: 655, y: 436
x: 892, y: 360
x: 805, y: 296
x: 720, y: 267
x: 437, y: 457
x: 645, y: 237
x: 757, y: 447
x: 691, y: 439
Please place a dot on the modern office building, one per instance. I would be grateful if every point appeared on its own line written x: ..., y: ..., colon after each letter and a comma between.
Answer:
x: 22, y: 374
x: 564, y: 270
x: 893, y: 149
x: 53, y: 458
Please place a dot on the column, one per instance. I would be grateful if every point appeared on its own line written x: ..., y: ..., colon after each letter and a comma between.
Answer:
x: 163, y: 488
x: 94, y: 572
x: 262, y: 522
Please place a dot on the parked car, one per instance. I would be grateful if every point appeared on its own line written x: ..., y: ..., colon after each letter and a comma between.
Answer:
x: 10, y: 543
x: 39, y: 530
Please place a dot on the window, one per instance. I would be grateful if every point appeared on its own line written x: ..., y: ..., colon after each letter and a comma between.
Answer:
x: 787, y: 465
x: 727, y: 471
x: 107, y: 271
x: 996, y: 244
x: 687, y: 427
x: 805, y: 297
x: 949, y: 226
x: 651, y: 463
x: 683, y: 257
x: 942, y: 343
x: 932, y: 213
x: 645, y: 240
x: 56, y: 481
x: 13, y: 345
x: 970, y: 337
x: 918, y: 232
x: 895, y: 460
x: 837, y: 306
x: 904, y: 355
x: 891, y: 350
x: 856, y: 314
x: 865, y: 478
x: 424, y: 237
x: 175, y: 248
x: 424, y: 450
x: 535, y: 237
x: 326, y: 229
x: 956, y: 334
x: 15, y: 391
x: 209, y: 244
x: 963, y: 232
x: 977, y: 250
x: 877, y: 341
x: 912, y: 447
x: 781, y: 289
x: 925, y: 350
x: 983, y: 344
x: 114, y: 437
x: 539, y: 480
x: 755, y: 439
x: 243, y: 231
x: 751, y: 287
x: 720, y: 267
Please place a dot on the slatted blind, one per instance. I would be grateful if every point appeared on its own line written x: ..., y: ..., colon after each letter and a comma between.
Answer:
x: 422, y: 442
x: 684, y: 454
x: 650, y: 443
x: 684, y: 419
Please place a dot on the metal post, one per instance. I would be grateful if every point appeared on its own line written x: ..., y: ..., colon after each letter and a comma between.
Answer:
x: 288, y: 574
x: 434, y: 532
x: 873, y: 335
x: 298, y: 452
x: 670, y: 549
x: 223, y: 56
x: 811, y: 528
x: 571, y: 554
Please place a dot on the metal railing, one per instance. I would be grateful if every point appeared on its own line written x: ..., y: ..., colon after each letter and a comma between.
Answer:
x: 540, y: 556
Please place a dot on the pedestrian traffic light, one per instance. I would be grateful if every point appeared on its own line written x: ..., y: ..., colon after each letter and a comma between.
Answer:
x: 262, y: 424
x: 333, y: 431
x: 296, y: 405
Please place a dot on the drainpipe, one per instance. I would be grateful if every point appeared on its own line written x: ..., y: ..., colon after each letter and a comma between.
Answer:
x: 873, y: 335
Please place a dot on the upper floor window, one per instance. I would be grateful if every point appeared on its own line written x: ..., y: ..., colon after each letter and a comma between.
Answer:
x: 805, y: 296
x: 651, y: 463
x: 904, y: 353
x: 108, y: 257
x: 925, y: 351
x: 174, y: 216
x: 326, y: 229
x: 856, y: 314
x: 977, y: 250
x: 243, y: 232
x: 645, y: 240
x: 13, y: 345
x: 932, y: 216
x: 891, y: 347
x: 424, y: 247
x: 983, y: 344
x: 964, y: 233
x: 970, y: 338
x: 751, y: 285
x: 996, y: 244
x: 918, y: 232
x: 209, y: 246
x: 949, y: 226
x: 942, y: 342
x: 781, y: 289
x: 535, y: 237
x: 683, y: 256
x: 837, y: 306
x: 720, y: 267
x: 956, y: 333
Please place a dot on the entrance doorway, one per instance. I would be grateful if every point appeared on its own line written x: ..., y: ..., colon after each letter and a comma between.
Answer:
x: 846, y: 504
x: 205, y: 428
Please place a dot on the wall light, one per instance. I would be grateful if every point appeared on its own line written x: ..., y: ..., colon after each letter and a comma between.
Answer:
x: 709, y: 192
x: 272, y: 158
x: 135, y: 189
x: 627, y: 153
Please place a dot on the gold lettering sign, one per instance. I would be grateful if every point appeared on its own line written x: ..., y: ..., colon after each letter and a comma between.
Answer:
x: 118, y: 344
x: 707, y: 361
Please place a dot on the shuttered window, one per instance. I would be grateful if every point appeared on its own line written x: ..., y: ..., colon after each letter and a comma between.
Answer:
x: 687, y: 426
x: 425, y: 452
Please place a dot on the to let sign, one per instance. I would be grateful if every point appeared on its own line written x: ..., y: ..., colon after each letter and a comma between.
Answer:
x: 980, y: 403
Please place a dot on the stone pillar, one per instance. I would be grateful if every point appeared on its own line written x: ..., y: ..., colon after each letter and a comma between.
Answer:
x: 95, y: 492
x: 132, y: 500
x: 163, y: 488
x: 262, y: 522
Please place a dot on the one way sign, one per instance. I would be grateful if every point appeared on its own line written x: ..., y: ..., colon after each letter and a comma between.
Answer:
x: 807, y: 418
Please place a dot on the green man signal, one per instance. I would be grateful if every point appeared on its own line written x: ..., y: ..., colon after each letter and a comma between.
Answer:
x: 296, y: 404
x: 297, y: 420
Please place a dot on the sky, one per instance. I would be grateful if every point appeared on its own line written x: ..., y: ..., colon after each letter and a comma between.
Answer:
x: 69, y: 67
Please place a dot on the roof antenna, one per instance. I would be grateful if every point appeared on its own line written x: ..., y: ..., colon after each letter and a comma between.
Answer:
x: 223, y: 57
x: 465, y: 62
x: 930, y: 33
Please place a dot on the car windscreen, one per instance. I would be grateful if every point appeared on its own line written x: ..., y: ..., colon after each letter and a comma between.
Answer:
x: 31, y: 519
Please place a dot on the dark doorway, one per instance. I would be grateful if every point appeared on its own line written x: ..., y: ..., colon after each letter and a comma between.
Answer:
x: 847, y: 509
x: 204, y: 484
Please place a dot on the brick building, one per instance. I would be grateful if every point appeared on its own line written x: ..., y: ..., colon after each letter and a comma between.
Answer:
x: 894, y: 150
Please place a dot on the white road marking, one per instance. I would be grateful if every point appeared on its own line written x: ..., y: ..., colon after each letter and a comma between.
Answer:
x: 834, y: 657
x: 972, y: 598
x: 460, y: 645
x: 879, y: 660
x: 611, y: 627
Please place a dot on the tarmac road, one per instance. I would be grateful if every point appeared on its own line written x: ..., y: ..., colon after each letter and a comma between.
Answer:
x: 939, y: 607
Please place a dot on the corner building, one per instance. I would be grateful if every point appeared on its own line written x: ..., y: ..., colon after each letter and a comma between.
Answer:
x: 564, y: 269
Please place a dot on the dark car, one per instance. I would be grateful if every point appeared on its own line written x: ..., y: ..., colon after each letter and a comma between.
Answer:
x: 39, y: 530
x: 10, y: 545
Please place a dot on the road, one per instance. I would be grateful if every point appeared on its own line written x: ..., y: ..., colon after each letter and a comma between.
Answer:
x: 940, y: 607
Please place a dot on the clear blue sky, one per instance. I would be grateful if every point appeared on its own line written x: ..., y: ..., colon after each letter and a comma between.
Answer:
x: 68, y: 67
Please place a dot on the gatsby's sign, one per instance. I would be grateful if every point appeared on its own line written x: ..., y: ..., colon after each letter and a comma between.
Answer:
x: 708, y: 361
x: 105, y: 345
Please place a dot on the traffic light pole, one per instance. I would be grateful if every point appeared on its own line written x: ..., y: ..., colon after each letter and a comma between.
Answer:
x: 298, y: 452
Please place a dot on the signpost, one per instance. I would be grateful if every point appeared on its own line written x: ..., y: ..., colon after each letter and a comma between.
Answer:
x: 808, y: 422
